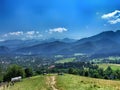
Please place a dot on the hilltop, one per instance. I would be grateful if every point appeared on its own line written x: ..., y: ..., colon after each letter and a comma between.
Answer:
x: 64, y: 82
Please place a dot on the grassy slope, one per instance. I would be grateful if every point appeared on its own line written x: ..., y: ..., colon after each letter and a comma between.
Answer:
x: 113, y: 66
x: 66, y: 82
x: 34, y: 83
x: 65, y: 60
x: 72, y: 82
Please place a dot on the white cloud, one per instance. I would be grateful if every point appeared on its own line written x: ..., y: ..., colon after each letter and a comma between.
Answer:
x: 110, y: 15
x: 16, y: 33
x: 113, y: 17
x: 114, y: 21
x: 31, y: 32
x: 59, y: 30
x: 22, y: 35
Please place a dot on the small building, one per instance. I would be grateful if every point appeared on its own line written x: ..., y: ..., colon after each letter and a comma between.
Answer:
x: 51, y: 67
x: 44, y: 73
x: 60, y: 73
x: 16, y: 79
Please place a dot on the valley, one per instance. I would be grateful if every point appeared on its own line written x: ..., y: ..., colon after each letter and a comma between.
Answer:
x: 59, y: 45
x: 88, y: 62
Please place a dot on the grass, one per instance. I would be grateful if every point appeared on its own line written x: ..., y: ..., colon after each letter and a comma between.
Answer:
x: 113, y: 66
x: 66, y: 60
x: 1, y: 77
x: 111, y: 58
x: 65, y: 82
x: 72, y: 82
x: 33, y: 83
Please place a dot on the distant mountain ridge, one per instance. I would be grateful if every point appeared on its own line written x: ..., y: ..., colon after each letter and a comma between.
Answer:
x: 107, y: 42
x: 4, y: 50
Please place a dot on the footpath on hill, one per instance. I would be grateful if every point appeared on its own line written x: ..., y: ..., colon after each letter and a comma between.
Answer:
x: 51, y: 80
x: 1, y: 88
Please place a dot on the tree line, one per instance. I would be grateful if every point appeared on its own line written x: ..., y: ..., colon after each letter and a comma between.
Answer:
x: 88, y: 69
x: 15, y: 71
x: 108, y: 73
x: 78, y: 68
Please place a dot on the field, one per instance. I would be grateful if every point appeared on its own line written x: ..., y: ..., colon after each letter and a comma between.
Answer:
x: 33, y: 83
x: 72, y: 82
x: 66, y: 60
x: 112, y: 58
x: 64, y: 82
x: 113, y: 66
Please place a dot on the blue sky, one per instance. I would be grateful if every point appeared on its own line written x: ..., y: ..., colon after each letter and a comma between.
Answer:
x: 57, y: 18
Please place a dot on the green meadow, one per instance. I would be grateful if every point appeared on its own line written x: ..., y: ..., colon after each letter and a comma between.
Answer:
x: 33, y: 83
x: 66, y: 60
x: 64, y: 82
x: 113, y: 66
x: 73, y: 82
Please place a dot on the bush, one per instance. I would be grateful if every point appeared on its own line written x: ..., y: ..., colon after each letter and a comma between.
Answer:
x: 28, y: 72
x: 13, y: 71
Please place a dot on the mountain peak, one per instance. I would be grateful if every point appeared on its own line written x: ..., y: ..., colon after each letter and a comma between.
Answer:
x: 107, y: 32
x: 118, y: 31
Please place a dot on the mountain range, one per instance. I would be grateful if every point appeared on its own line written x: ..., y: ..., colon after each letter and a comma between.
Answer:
x: 105, y: 43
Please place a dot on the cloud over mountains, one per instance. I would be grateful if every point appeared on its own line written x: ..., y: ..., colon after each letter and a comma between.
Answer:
x: 59, y: 30
x: 25, y: 35
x: 21, y: 35
x: 113, y: 17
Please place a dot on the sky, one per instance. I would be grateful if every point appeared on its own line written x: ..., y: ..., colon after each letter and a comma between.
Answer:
x: 41, y: 19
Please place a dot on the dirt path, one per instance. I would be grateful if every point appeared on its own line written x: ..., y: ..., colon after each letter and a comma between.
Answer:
x: 1, y: 88
x: 51, y: 81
